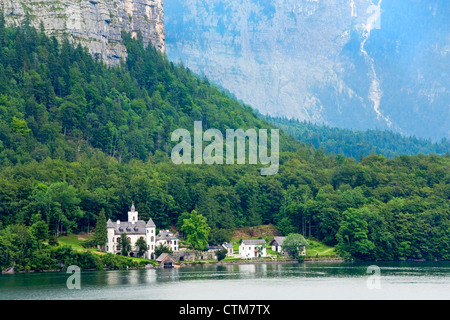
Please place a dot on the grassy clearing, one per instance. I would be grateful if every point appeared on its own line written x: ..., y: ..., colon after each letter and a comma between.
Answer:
x: 318, y: 249
x: 74, y: 241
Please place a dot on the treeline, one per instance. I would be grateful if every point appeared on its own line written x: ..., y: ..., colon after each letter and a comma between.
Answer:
x: 77, y: 137
x: 357, y: 144
x: 375, y: 209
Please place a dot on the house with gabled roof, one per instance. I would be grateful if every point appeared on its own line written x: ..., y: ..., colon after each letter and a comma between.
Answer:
x: 168, y: 239
x: 165, y: 260
x: 229, y: 247
x: 277, y: 244
x: 253, y: 248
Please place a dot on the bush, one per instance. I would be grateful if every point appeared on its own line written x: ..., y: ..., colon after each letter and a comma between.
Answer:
x: 88, y: 244
x: 221, y: 254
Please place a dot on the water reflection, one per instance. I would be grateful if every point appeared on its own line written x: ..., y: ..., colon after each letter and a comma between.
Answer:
x: 234, y: 281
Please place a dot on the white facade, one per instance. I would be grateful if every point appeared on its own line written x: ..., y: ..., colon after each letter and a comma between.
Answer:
x: 277, y: 244
x: 167, y: 238
x: 230, y: 249
x: 277, y: 249
x: 253, y: 249
x: 135, y: 229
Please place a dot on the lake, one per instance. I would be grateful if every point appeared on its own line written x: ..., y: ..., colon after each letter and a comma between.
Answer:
x: 304, y: 281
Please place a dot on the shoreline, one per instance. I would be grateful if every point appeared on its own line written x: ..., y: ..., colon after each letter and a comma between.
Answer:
x: 279, y: 261
x: 184, y: 265
x: 250, y: 262
x: 220, y: 263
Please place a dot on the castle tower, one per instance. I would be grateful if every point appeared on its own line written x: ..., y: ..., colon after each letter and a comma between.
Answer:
x: 110, y: 246
x: 132, y: 214
x: 151, y: 239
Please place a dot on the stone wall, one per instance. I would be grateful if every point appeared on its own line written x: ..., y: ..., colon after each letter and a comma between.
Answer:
x: 186, y: 255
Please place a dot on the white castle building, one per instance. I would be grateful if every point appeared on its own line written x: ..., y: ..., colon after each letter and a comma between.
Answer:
x: 136, y: 229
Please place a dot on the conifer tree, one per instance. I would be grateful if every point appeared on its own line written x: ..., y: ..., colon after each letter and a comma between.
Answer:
x: 101, y: 232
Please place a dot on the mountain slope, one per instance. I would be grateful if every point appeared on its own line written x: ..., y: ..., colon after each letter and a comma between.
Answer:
x: 62, y: 102
x: 344, y: 63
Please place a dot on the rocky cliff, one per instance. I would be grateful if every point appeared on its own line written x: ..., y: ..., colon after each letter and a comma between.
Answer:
x: 355, y: 64
x: 96, y: 24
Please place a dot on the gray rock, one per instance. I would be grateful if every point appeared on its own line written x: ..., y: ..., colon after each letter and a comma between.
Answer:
x: 95, y: 24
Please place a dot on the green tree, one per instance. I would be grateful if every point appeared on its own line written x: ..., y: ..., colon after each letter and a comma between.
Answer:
x: 285, y: 226
x: 101, y: 231
x: 294, y: 245
x: 18, y: 246
x: 352, y: 236
x: 142, y: 247
x: 196, y: 230
x: 39, y: 231
x: 124, y: 244
x: 160, y: 249
x: 222, y: 254
x: 65, y: 205
x: 20, y: 126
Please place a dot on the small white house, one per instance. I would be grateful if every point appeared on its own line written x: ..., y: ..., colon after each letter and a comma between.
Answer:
x: 168, y: 239
x: 253, y: 249
x: 277, y: 244
x: 230, y: 249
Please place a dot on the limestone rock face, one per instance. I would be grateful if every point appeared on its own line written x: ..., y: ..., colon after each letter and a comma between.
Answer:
x: 357, y: 64
x: 96, y: 24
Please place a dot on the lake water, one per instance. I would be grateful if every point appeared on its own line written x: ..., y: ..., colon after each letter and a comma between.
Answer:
x: 305, y: 281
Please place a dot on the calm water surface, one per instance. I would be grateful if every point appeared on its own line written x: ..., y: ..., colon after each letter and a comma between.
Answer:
x: 398, y: 281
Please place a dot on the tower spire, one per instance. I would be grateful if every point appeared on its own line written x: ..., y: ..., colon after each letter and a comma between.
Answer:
x: 132, y: 214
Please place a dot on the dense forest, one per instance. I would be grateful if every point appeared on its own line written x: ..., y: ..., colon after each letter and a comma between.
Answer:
x: 77, y: 137
x: 357, y: 144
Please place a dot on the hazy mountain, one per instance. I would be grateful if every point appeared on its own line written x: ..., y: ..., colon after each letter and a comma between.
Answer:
x: 357, y: 144
x: 344, y: 63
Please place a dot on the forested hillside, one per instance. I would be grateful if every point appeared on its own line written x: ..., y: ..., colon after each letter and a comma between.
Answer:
x: 77, y: 137
x: 356, y: 144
